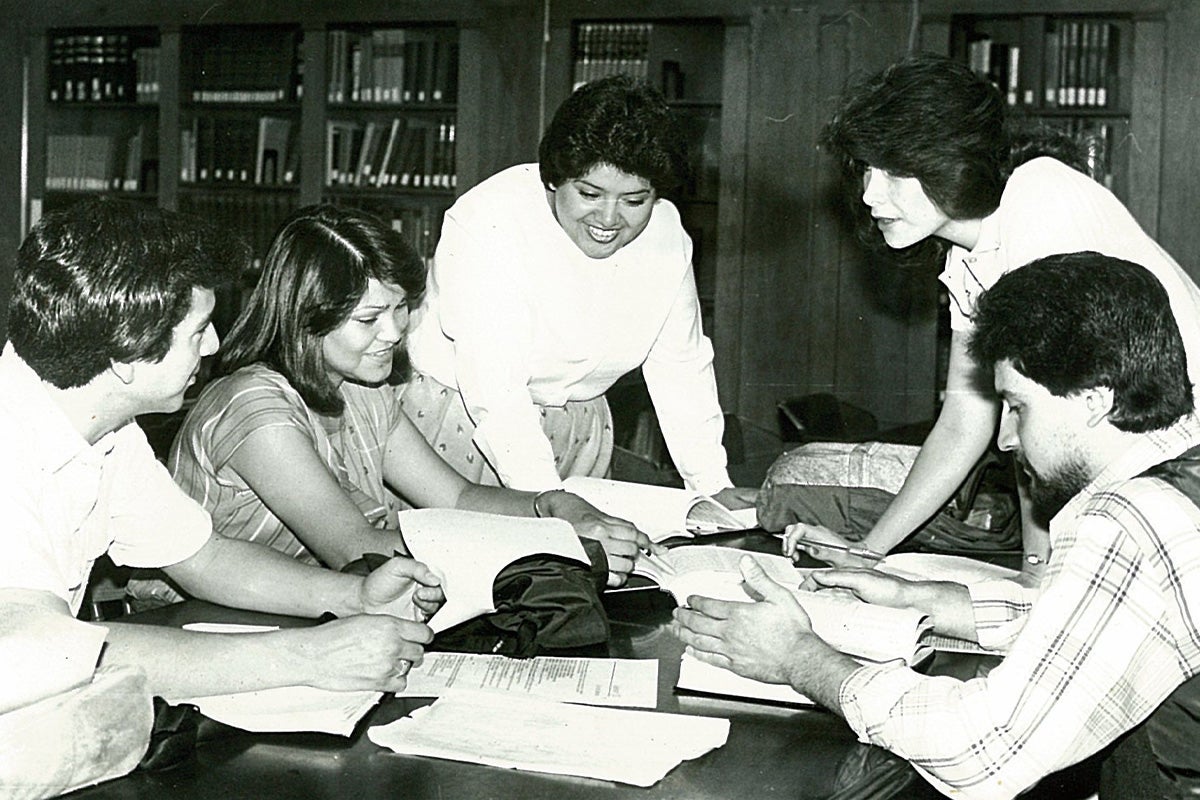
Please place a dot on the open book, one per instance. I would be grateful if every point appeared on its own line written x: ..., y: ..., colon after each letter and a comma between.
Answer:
x: 467, y: 549
x: 862, y: 630
x: 660, y: 511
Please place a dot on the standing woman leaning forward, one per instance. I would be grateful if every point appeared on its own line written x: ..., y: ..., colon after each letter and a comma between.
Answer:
x: 550, y: 282
x: 942, y: 178
x: 299, y: 441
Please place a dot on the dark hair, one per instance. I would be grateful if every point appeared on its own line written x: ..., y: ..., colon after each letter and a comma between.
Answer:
x: 315, y: 273
x: 617, y: 121
x: 931, y: 118
x: 1080, y: 320
x: 107, y: 280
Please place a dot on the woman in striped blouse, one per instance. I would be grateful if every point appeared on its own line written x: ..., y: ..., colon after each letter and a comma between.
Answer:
x: 301, y: 445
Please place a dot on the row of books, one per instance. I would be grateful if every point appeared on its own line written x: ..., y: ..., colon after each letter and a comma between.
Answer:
x: 97, y: 162
x: 1080, y: 63
x: 1079, y: 66
x: 392, y: 65
x: 247, y: 150
x: 611, y: 48
x: 406, y: 152
x: 244, y: 65
x: 102, y: 68
x: 255, y: 217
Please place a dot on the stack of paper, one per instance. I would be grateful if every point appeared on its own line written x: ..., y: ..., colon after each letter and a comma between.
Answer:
x: 635, y: 747
x: 660, y: 511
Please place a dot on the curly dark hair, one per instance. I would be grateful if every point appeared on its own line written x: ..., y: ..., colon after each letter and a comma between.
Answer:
x: 108, y: 280
x: 313, y: 276
x: 619, y: 121
x: 931, y: 118
x: 1079, y: 320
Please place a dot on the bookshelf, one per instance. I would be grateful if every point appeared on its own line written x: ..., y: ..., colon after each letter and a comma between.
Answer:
x: 102, y: 120
x: 391, y: 123
x: 1071, y: 72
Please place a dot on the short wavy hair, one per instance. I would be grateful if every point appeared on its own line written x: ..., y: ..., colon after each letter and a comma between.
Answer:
x: 932, y: 118
x: 107, y: 280
x: 314, y: 274
x: 618, y: 121
x: 1080, y: 320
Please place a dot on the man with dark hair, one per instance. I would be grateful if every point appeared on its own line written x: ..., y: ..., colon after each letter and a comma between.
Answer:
x: 1092, y: 374
x: 109, y: 319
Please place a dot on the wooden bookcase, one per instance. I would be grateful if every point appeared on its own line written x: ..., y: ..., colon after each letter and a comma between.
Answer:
x: 102, y: 113
x: 391, y: 124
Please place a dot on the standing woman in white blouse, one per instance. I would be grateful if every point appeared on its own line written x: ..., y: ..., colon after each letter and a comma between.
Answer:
x: 551, y: 281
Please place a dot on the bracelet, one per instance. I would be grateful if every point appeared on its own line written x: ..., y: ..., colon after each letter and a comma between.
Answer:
x: 537, y: 511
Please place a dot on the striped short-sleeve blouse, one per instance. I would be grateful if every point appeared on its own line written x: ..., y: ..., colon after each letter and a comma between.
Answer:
x: 254, y: 397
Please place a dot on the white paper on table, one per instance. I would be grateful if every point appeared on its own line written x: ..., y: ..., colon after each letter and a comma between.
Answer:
x: 285, y: 708
x: 698, y: 676
x: 634, y: 747
x: 593, y: 681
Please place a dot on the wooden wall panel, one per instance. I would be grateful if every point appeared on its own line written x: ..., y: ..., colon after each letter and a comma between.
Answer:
x: 816, y: 317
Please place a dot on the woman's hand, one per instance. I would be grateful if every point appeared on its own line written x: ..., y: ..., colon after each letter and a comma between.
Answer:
x: 813, y: 536
x: 621, y: 540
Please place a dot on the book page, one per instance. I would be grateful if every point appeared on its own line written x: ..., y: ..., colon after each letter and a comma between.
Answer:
x: 939, y: 567
x: 594, y: 681
x: 467, y: 549
x: 712, y: 571
x: 658, y: 511
x: 697, y: 676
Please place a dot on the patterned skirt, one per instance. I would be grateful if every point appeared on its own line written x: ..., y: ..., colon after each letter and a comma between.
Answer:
x: 580, y: 433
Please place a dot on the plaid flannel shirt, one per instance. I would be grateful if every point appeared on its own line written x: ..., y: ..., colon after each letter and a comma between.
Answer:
x: 1111, y: 632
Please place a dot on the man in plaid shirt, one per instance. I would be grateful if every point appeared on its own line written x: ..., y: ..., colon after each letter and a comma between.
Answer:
x: 1097, y: 409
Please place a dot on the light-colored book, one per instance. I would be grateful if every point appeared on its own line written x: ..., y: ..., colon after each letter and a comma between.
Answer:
x: 660, y: 511
x: 859, y: 629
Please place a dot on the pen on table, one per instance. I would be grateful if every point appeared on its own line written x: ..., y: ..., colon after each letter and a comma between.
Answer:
x: 854, y: 550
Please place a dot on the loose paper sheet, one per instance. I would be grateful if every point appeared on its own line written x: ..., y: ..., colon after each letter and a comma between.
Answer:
x: 635, y: 747
x: 698, y: 676
x: 285, y: 708
x: 468, y: 549
x: 594, y: 681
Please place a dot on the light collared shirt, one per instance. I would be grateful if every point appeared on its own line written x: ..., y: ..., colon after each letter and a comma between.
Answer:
x: 64, y: 502
x: 1112, y: 632
x: 1048, y: 208
x: 516, y: 316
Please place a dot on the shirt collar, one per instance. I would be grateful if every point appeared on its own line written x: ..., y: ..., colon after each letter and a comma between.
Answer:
x: 1148, y: 450
x: 24, y: 396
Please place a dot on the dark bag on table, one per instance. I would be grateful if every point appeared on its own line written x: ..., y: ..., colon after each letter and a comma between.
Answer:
x: 544, y: 604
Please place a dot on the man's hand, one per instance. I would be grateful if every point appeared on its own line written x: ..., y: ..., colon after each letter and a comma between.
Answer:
x: 402, y: 588
x: 758, y: 640
x: 735, y: 497
x: 367, y: 651
x: 868, y: 585
x: 816, y: 533
x: 621, y: 540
